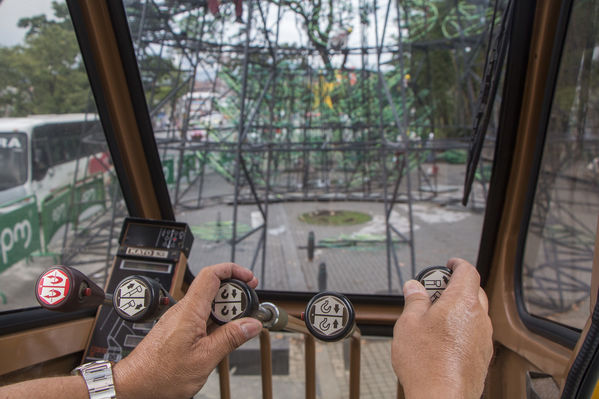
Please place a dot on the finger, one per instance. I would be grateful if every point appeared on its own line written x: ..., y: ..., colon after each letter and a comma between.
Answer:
x: 204, y: 287
x: 417, y: 300
x: 230, y: 336
x: 482, y: 298
x: 253, y: 283
x: 465, y: 280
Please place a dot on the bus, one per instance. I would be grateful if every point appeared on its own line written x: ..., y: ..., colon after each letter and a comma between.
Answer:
x: 42, y: 153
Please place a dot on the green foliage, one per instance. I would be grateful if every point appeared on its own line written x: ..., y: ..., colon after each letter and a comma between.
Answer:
x: 334, y: 218
x: 454, y: 156
x: 46, y: 74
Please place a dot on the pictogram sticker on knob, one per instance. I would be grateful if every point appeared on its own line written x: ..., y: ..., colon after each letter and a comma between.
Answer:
x: 230, y: 302
x: 327, y: 315
x: 53, y: 287
x: 435, y: 280
x: 132, y: 297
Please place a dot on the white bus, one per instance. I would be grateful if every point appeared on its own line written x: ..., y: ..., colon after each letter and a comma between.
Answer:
x: 39, y: 154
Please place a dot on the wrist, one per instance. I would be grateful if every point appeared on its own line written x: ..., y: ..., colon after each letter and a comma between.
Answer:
x: 427, y: 392
x: 433, y: 388
x: 124, y: 382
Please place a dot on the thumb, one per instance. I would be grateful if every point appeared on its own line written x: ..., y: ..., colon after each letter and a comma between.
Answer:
x: 230, y: 336
x: 416, y: 299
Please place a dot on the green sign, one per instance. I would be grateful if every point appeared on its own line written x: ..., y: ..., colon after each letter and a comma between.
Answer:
x: 168, y: 168
x: 20, y: 232
x: 55, y: 213
x: 88, y: 194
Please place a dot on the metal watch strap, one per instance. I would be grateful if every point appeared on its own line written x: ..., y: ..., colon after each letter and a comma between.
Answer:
x: 98, y: 378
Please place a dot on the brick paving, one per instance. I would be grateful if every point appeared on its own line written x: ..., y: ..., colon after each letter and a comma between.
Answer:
x: 440, y: 232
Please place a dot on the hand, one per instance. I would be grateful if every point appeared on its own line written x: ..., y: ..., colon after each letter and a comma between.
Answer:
x: 444, y: 349
x: 175, y: 359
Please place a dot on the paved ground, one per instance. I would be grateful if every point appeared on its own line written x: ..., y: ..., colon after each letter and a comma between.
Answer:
x: 440, y: 228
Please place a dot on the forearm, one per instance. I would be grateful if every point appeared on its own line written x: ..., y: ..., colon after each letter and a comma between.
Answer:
x: 51, y: 388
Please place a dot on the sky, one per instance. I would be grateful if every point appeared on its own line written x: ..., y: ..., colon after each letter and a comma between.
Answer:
x: 13, y: 10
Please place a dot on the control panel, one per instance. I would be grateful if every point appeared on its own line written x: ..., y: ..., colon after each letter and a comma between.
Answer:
x: 146, y: 278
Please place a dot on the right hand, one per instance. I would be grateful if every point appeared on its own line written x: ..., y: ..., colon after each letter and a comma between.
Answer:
x: 444, y: 349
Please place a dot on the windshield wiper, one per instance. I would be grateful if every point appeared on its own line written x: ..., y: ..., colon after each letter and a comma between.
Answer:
x: 496, y: 54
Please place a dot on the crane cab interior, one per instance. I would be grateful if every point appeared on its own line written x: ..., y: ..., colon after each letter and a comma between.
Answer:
x: 328, y: 146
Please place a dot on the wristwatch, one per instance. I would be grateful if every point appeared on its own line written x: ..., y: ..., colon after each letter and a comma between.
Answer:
x: 98, y: 378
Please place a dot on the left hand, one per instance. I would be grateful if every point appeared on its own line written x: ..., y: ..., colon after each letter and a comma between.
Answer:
x: 175, y: 359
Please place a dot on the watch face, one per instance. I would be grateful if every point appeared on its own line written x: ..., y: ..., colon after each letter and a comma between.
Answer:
x: 53, y: 287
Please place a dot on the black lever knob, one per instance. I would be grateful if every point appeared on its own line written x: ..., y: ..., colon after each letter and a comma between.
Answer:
x: 435, y: 280
x: 234, y: 300
x: 140, y: 298
x: 330, y: 316
x: 65, y: 289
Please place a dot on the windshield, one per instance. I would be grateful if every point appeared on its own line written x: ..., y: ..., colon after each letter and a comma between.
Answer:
x: 322, y: 144
x: 13, y: 159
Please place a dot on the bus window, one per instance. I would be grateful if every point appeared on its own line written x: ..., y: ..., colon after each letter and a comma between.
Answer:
x: 41, y: 158
x: 13, y: 160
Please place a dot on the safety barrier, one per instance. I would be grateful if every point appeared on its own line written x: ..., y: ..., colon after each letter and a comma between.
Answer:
x: 89, y: 192
x: 20, y: 234
x: 296, y: 325
x: 168, y: 168
x: 55, y: 213
x: 28, y: 230
x: 189, y: 166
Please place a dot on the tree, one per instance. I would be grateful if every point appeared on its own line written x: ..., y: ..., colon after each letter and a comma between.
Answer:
x: 44, y: 75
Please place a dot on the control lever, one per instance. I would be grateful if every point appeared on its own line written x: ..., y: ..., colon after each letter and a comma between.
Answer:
x: 235, y: 299
x: 435, y: 280
x: 65, y: 289
x: 330, y: 316
x: 140, y: 298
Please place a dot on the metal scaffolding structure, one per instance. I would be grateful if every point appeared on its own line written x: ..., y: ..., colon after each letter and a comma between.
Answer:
x: 345, y: 110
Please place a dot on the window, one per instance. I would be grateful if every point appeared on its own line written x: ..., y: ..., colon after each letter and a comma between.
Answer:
x: 13, y: 159
x: 557, y: 261
x: 352, y: 118
x: 52, y: 148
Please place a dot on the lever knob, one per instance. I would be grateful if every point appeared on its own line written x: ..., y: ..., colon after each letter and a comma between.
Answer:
x: 140, y: 298
x: 330, y: 316
x: 435, y: 280
x: 234, y: 300
x: 64, y: 289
